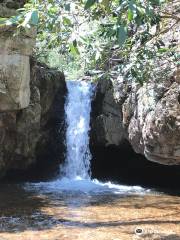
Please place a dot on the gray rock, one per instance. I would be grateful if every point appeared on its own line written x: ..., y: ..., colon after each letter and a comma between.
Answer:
x: 107, y: 116
x: 8, y: 7
x: 27, y: 134
x: 31, y: 122
x: 15, y: 52
x: 147, y: 116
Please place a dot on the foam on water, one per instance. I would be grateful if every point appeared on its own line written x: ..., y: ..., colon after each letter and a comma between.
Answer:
x: 75, y: 173
x: 87, y: 186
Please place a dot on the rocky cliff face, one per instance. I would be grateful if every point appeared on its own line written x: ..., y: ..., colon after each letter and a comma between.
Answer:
x: 147, y: 116
x: 15, y: 68
x: 33, y: 133
x: 29, y: 92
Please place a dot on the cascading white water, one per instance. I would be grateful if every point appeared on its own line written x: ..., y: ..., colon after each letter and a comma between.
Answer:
x: 78, y: 108
x: 75, y: 173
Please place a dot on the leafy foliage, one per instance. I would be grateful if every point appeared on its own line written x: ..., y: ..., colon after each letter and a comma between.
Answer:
x: 92, y: 33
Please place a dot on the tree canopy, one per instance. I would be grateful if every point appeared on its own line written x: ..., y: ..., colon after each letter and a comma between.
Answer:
x: 123, y: 35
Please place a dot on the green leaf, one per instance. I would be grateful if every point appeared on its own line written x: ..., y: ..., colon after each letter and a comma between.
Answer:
x: 106, y: 3
x: 132, y: 10
x: 122, y: 35
x: 53, y: 10
x: 130, y: 15
x: 3, y: 21
x: 163, y: 50
x: 34, y: 17
x: 14, y: 20
x: 73, y: 49
x: 89, y: 4
x: 141, y: 10
x: 10, y: 21
x: 67, y: 7
x: 132, y: 6
x: 66, y: 21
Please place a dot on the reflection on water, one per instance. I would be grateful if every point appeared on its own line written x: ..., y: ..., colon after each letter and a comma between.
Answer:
x: 32, y: 212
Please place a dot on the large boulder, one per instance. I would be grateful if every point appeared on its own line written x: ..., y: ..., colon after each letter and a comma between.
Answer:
x: 16, y: 47
x: 107, y: 118
x: 154, y: 129
x: 32, y: 100
x: 27, y: 135
x: 15, y: 52
x: 147, y: 116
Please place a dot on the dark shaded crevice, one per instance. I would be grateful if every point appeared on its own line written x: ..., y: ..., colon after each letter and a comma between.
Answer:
x: 179, y: 98
x: 124, y: 166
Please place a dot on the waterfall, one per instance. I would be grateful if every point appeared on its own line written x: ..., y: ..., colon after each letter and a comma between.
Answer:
x: 78, y: 108
x: 75, y: 173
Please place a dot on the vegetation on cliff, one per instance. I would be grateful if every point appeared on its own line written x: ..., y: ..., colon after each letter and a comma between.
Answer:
x: 113, y: 36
